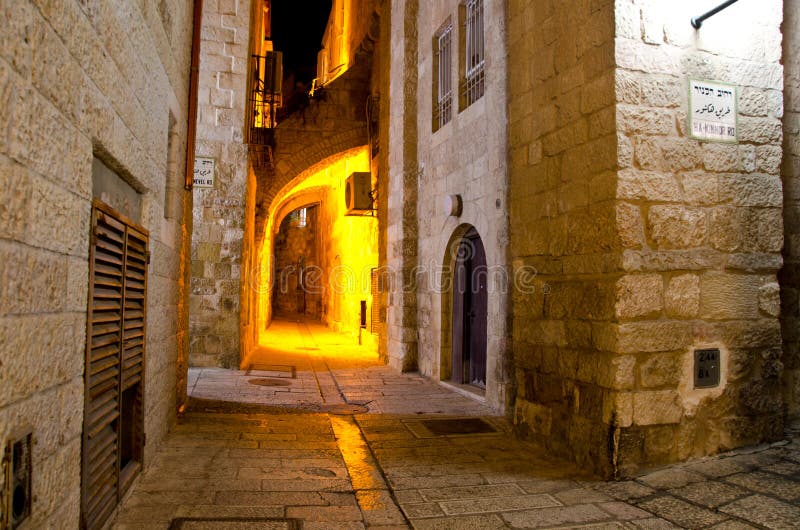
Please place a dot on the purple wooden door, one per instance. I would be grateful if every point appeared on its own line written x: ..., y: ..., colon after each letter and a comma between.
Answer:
x: 470, y: 306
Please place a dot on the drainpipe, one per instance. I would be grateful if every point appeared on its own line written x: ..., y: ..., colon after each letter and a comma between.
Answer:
x: 193, y: 81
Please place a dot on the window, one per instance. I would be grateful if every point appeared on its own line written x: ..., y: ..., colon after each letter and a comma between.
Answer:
x: 443, y: 84
x: 473, y: 47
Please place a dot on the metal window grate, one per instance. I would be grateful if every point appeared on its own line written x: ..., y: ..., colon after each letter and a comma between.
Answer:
x: 444, y: 83
x: 473, y: 87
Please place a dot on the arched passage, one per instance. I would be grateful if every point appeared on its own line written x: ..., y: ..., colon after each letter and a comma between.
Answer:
x: 346, y: 248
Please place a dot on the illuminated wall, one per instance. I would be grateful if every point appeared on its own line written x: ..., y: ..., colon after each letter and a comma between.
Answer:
x: 348, y: 24
x: 348, y: 245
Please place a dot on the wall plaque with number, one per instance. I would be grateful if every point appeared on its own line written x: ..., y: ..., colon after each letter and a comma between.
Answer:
x: 706, y: 368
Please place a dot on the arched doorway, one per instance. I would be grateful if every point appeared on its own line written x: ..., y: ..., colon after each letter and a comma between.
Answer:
x: 469, y: 312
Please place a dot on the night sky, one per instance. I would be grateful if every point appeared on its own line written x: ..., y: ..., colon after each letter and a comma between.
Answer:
x: 297, y: 29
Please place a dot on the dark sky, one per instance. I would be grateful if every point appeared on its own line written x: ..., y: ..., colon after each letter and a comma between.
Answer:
x: 297, y: 29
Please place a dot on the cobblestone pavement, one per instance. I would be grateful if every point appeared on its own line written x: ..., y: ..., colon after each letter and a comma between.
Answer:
x: 330, y: 439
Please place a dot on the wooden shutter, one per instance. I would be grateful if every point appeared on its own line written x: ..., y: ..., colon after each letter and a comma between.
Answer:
x: 115, y: 351
x: 375, y: 313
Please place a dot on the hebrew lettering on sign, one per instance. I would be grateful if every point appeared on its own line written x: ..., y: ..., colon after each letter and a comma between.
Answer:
x: 203, y: 172
x: 712, y: 111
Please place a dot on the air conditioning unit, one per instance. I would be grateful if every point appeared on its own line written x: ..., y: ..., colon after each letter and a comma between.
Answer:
x: 357, y: 196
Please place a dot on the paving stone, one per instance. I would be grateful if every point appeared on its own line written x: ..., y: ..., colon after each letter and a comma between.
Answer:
x: 408, y: 496
x: 765, y: 511
x: 625, y: 490
x: 732, y: 525
x: 378, y: 508
x: 498, y: 504
x: 469, y: 492
x: 784, y: 467
x: 719, y: 467
x: 416, y: 483
x: 709, y: 493
x: 581, y: 496
x: 775, y: 485
x: 654, y: 523
x: 546, y: 486
x: 324, y: 513
x: 624, y: 511
x: 475, y: 522
x: 670, y: 478
x: 425, y: 509
x: 680, y: 512
x: 215, y: 510
x: 557, y: 516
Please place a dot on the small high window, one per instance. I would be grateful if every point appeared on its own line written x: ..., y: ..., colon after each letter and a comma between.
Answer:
x: 443, y: 82
x: 472, y: 47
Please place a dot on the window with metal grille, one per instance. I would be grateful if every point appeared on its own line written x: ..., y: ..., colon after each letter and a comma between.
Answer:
x: 113, y: 427
x: 443, y: 83
x: 473, y: 48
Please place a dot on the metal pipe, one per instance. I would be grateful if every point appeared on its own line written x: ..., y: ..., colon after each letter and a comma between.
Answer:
x: 697, y: 22
x: 194, y: 75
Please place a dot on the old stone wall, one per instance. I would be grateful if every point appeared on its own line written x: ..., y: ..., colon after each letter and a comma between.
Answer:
x: 401, y: 184
x: 219, y: 213
x: 790, y: 274
x: 564, y: 246
x: 702, y: 231
x: 465, y: 157
x: 80, y: 80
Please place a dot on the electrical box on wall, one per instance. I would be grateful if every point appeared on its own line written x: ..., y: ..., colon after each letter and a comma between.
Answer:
x: 358, y: 193
x: 17, y: 500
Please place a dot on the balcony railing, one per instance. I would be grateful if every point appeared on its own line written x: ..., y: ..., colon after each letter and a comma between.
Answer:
x: 266, y: 75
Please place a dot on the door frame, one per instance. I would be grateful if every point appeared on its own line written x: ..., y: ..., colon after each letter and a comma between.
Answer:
x: 462, y: 232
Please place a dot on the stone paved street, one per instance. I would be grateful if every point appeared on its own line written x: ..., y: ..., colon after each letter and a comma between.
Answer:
x: 327, y: 438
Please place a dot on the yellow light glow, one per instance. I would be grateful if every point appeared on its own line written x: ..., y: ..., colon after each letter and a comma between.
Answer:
x: 350, y: 248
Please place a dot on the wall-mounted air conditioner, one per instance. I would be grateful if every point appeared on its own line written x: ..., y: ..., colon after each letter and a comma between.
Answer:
x: 357, y: 197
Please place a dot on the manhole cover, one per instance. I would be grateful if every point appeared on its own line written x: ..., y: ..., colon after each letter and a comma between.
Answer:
x: 269, y: 382
x: 344, y: 409
x: 233, y: 524
x: 457, y: 426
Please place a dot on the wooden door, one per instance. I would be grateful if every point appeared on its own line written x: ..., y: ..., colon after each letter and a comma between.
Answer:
x: 469, y: 312
x: 113, y: 430
x: 477, y: 312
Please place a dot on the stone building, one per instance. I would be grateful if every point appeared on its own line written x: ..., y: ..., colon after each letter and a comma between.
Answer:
x: 584, y: 214
x: 93, y: 136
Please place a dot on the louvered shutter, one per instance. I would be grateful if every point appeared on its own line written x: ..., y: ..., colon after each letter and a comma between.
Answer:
x: 375, y: 313
x: 115, y: 353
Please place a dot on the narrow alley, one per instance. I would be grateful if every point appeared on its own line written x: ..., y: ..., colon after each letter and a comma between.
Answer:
x: 378, y: 264
x: 317, y: 434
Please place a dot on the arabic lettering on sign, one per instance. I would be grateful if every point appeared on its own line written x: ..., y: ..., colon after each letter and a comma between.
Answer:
x: 203, y: 173
x: 712, y: 113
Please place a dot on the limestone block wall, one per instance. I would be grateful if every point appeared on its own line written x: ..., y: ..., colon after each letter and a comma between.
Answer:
x: 790, y: 274
x: 401, y: 185
x: 563, y: 217
x: 219, y: 220
x: 702, y: 232
x: 80, y: 80
x: 465, y: 157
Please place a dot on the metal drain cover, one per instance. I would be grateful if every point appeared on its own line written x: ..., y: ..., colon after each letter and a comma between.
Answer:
x: 269, y: 382
x: 188, y: 523
x: 457, y: 426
